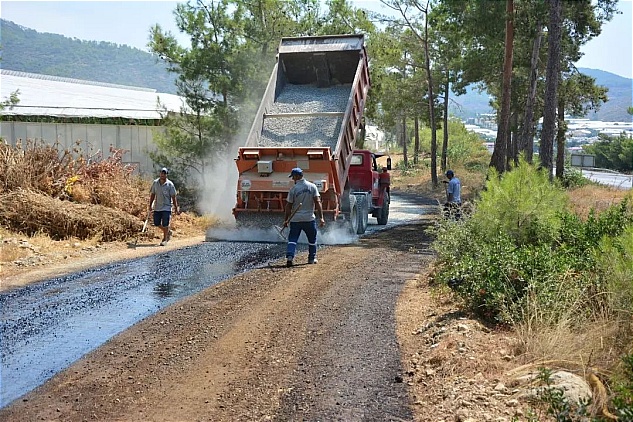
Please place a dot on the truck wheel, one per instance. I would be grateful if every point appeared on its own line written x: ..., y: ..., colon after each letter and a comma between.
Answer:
x: 353, y: 215
x: 363, y: 214
x: 384, y: 211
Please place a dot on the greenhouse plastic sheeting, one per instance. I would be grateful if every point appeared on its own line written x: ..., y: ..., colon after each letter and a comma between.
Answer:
x: 42, y: 95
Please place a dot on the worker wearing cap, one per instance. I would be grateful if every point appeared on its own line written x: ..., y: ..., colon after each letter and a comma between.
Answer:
x: 453, y: 195
x: 162, y: 194
x: 303, y: 199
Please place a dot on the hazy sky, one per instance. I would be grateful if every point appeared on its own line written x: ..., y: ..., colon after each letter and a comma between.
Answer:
x: 128, y: 22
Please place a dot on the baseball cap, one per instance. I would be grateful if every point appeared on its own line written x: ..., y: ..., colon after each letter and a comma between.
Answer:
x: 449, y: 173
x: 296, y: 171
x: 164, y: 170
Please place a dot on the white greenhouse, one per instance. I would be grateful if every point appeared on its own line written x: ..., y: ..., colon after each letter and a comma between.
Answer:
x: 93, y: 115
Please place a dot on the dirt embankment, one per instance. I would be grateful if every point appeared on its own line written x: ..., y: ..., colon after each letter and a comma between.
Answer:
x: 358, y: 336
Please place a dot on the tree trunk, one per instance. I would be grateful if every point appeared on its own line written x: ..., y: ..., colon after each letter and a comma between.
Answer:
x: 526, y: 139
x: 405, y: 156
x: 416, y: 147
x: 444, y: 164
x: 427, y: 62
x: 513, y: 150
x: 560, y: 140
x: 552, y: 75
x: 498, y: 159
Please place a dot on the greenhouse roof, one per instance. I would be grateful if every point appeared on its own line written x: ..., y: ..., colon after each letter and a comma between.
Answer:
x: 43, y: 95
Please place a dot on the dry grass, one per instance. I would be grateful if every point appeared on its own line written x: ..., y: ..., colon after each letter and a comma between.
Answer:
x: 593, y: 344
x: 191, y: 225
x: 72, y: 176
x: 596, y: 197
x: 63, y: 200
x: 32, y: 212
x: 10, y: 252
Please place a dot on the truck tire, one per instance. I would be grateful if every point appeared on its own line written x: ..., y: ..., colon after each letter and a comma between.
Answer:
x: 352, y: 217
x: 383, y: 217
x: 363, y: 213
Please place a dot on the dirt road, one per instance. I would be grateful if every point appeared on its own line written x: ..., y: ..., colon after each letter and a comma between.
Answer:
x: 311, y: 342
x: 346, y: 339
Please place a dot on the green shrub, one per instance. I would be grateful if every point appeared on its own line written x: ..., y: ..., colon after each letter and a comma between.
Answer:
x: 623, y: 400
x: 497, y: 279
x: 610, y: 222
x: 477, y: 165
x: 407, y: 169
x: 521, y: 250
x: 477, y: 267
x: 522, y: 204
x: 573, y: 178
x: 614, y: 258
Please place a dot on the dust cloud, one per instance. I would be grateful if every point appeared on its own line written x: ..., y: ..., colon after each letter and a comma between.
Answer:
x: 219, y: 186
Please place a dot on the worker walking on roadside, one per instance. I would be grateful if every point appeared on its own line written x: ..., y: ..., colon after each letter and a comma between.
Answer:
x: 303, y: 199
x: 162, y: 194
x: 453, y: 204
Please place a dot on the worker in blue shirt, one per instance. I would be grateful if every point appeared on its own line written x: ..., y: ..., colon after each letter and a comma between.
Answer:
x: 452, y: 207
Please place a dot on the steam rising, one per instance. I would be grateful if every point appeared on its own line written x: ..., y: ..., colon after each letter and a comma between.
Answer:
x: 331, y: 236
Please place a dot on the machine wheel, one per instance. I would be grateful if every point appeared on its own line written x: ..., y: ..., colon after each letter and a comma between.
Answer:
x: 363, y: 214
x: 353, y: 215
x: 384, y: 211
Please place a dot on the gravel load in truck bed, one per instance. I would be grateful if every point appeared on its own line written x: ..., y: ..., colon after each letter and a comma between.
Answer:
x: 305, y: 131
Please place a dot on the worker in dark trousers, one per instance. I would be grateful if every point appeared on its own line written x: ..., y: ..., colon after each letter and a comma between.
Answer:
x: 303, y: 199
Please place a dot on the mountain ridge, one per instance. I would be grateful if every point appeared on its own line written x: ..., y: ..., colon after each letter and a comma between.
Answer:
x: 26, y: 50
x: 620, y: 96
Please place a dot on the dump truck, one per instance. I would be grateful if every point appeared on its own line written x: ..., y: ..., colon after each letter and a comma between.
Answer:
x: 311, y: 116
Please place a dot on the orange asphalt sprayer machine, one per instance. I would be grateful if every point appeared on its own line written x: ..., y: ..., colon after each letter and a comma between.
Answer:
x: 311, y: 116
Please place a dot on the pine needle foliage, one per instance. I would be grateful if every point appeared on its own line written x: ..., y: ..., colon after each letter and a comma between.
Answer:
x: 522, y: 205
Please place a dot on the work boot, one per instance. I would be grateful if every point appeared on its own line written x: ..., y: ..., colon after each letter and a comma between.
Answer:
x: 289, y: 263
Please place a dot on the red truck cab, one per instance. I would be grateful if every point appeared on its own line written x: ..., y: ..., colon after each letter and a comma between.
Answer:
x: 365, y: 177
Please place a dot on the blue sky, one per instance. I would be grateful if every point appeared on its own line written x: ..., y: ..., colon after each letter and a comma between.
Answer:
x: 128, y: 22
